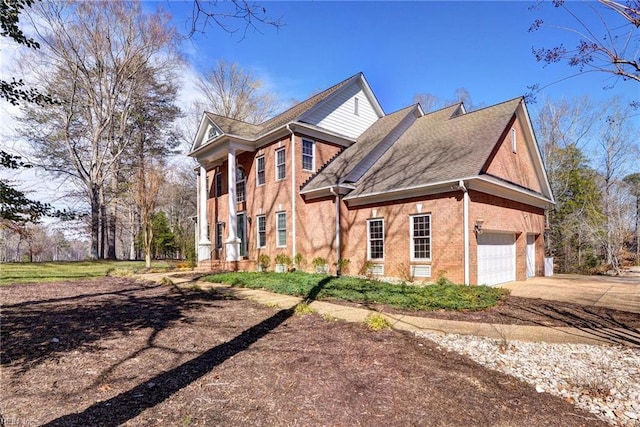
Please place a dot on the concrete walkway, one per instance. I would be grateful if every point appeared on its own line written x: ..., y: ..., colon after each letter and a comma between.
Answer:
x: 625, y: 336
x: 620, y: 293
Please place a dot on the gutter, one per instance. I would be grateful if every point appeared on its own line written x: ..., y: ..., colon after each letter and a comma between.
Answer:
x: 293, y: 194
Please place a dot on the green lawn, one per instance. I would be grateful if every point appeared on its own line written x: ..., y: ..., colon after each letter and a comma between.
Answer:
x: 317, y: 286
x: 26, y: 272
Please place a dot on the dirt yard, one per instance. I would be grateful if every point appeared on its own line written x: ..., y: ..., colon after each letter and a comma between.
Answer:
x: 116, y: 351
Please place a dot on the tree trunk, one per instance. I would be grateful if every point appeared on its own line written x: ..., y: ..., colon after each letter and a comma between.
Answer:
x: 95, y: 222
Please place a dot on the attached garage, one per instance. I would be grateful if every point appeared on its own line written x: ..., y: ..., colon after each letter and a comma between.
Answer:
x: 496, y: 258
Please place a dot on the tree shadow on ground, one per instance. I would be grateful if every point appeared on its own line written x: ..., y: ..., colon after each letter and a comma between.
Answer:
x: 36, y: 331
x: 601, y: 324
x: 131, y: 403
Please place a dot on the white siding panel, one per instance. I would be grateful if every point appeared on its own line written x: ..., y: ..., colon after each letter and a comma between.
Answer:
x: 336, y: 114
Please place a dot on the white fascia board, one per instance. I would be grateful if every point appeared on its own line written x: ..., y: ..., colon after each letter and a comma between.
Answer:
x: 404, y: 193
x: 316, y: 132
x: 372, y: 96
x: 509, y: 191
x: 200, y: 134
x: 539, y: 164
x: 325, y: 191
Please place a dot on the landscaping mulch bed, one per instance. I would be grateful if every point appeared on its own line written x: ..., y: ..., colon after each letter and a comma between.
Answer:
x: 115, y: 351
x: 530, y: 311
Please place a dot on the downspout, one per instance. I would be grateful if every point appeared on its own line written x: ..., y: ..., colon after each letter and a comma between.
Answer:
x: 465, y: 215
x: 338, y: 248
x: 293, y: 194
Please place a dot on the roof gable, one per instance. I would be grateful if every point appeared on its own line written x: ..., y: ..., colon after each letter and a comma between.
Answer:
x: 250, y: 132
x: 441, y: 146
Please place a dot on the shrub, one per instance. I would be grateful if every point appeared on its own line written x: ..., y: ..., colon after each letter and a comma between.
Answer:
x: 377, y: 322
x: 299, y: 261
x: 343, y: 265
x: 303, y: 309
x: 319, y: 261
x: 264, y: 261
x: 365, y: 270
x: 283, y: 259
x: 405, y: 271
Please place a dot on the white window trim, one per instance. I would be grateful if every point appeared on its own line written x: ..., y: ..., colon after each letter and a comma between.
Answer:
x: 313, y: 155
x: 369, y: 240
x: 356, y: 106
x: 278, y: 243
x: 258, y: 217
x: 284, y: 164
x: 264, y: 170
x: 514, y: 140
x: 412, y: 243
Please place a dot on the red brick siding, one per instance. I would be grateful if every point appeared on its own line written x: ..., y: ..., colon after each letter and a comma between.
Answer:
x: 515, y: 167
x: 508, y: 216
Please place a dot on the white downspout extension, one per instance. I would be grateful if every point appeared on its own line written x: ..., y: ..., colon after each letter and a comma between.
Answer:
x: 293, y: 195
x: 338, y: 248
x: 465, y: 214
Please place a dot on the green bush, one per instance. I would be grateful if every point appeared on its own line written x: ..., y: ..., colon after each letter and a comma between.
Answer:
x: 319, y: 286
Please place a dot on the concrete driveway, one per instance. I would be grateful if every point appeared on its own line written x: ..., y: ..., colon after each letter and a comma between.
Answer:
x: 620, y: 293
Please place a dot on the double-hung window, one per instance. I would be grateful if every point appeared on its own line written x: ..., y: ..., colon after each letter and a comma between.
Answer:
x: 281, y: 163
x: 218, y: 184
x: 375, y: 239
x: 307, y: 155
x: 281, y: 229
x: 241, y: 187
x: 260, y: 178
x: 420, y: 237
x: 262, y: 231
x: 219, y: 228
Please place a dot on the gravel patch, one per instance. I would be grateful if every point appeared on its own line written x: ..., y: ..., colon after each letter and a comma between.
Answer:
x: 604, y: 380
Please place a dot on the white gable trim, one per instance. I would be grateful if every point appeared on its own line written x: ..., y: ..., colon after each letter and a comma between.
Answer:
x: 202, y: 136
x: 530, y: 138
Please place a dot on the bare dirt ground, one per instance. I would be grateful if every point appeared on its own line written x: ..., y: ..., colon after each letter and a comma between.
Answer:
x: 115, y: 351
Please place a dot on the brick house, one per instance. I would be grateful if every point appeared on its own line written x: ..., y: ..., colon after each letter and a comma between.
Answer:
x: 454, y: 193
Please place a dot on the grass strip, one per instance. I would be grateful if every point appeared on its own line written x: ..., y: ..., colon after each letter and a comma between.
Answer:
x: 39, y: 272
x: 427, y: 298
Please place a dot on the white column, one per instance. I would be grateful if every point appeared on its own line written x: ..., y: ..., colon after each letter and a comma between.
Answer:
x: 232, y: 243
x: 204, y: 244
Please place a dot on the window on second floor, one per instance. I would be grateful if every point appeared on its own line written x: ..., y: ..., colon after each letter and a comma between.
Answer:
x: 241, y: 185
x: 260, y: 178
x: 281, y: 164
x: 307, y: 155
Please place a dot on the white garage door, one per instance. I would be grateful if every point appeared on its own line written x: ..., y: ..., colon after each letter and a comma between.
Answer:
x: 496, y: 258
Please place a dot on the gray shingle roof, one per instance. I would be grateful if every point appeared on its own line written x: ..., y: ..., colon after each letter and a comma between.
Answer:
x: 341, y: 166
x: 438, y: 148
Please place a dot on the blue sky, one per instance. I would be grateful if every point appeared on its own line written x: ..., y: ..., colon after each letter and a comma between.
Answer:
x: 405, y: 48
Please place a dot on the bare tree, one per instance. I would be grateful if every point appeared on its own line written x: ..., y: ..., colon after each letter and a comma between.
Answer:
x: 148, y: 182
x: 616, y: 152
x: 94, y: 56
x: 633, y: 183
x: 231, y: 16
x: 611, y: 48
x: 233, y: 92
